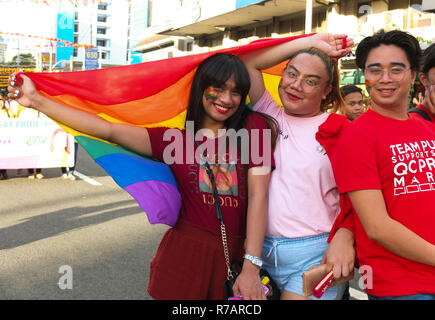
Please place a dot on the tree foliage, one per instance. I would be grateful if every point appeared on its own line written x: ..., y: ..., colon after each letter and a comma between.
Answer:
x: 23, y: 59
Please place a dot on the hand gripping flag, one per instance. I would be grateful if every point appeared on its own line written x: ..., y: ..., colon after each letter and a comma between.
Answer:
x: 150, y: 94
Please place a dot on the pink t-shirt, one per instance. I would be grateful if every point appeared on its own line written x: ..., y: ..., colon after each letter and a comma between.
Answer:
x: 303, y: 197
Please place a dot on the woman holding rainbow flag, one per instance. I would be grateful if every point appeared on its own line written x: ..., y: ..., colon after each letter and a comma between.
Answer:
x: 189, y: 263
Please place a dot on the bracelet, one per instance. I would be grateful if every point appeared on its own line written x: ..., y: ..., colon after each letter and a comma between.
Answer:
x: 254, y: 260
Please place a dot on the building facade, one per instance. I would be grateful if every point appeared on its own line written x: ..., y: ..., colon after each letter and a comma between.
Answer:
x: 194, y: 26
x: 2, y: 50
x: 104, y: 25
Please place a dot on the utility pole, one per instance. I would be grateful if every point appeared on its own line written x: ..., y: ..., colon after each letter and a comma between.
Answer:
x: 51, y: 56
x: 308, y: 16
x: 18, y: 52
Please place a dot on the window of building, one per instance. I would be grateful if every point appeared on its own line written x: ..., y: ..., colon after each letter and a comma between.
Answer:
x: 76, y: 38
x: 75, y: 52
x: 189, y: 46
x: 76, y: 27
x: 102, y: 6
x: 101, y: 43
x: 216, y: 42
x: 416, y: 4
x: 102, y: 19
x: 101, y: 31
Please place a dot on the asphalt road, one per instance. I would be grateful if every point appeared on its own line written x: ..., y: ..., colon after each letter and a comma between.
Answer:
x: 76, y: 240
x: 52, y: 228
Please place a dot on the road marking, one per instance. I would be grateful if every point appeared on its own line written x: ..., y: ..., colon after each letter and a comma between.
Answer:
x: 358, y: 295
x: 87, y: 179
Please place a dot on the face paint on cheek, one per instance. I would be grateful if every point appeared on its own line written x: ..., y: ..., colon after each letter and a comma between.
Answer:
x: 211, y: 93
x: 280, y: 83
x: 368, y: 85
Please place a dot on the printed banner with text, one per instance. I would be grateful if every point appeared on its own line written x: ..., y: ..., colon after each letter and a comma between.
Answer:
x: 34, y: 143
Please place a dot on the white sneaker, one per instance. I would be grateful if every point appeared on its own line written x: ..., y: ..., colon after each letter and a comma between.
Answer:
x: 31, y: 176
x: 39, y: 176
x: 64, y: 176
x: 71, y: 177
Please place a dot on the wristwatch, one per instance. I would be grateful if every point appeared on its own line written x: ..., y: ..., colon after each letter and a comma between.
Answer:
x: 255, y: 260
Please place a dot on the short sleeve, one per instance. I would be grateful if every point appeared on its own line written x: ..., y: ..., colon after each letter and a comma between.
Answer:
x: 157, y: 140
x: 345, y: 219
x: 267, y: 105
x: 260, y: 148
x: 357, y: 161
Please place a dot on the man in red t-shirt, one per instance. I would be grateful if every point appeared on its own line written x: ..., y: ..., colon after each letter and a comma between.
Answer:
x: 386, y: 162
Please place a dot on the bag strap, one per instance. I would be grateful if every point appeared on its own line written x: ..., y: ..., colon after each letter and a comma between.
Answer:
x: 421, y: 112
x: 218, y: 212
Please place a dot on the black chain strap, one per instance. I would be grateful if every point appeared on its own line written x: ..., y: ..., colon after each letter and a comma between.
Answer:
x: 218, y: 212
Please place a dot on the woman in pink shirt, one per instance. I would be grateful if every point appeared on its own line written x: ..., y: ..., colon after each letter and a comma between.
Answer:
x: 303, y: 197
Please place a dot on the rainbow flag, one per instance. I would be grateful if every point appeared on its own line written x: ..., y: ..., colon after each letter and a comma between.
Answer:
x: 149, y: 94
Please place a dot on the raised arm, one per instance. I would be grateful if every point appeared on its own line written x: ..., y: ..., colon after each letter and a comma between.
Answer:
x: 389, y: 233
x: 333, y: 44
x: 130, y: 137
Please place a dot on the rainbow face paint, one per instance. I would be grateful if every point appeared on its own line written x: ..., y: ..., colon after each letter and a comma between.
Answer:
x: 211, y: 93
x: 280, y: 83
x: 368, y: 85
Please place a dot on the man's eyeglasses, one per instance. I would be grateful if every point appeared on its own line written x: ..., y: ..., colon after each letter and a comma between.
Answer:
x: 396, y: 73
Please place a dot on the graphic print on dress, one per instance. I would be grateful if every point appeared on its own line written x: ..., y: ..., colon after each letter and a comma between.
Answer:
x: 225, y: 178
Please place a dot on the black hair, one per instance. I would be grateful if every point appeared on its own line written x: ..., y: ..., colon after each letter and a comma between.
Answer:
x: 215, y: 71
x: 348, y: 89
x: 428, y: 59
x: 401, y: 39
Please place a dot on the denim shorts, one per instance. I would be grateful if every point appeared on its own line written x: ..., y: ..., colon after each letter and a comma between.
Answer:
x: 287, y: 259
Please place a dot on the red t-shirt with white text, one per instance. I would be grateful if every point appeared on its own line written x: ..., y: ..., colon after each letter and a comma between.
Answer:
x: 193, y: 183
x: 397, y: 157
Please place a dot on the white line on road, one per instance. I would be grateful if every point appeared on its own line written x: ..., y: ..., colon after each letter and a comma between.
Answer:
x: 87, y: 179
